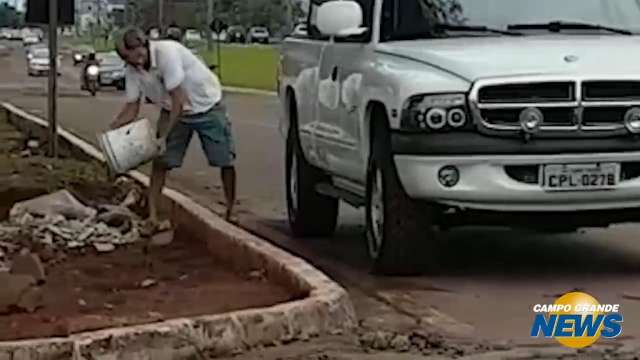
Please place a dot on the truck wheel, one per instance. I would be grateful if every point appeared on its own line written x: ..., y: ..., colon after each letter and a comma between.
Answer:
x: 310, y: 213
x: 399, y: 231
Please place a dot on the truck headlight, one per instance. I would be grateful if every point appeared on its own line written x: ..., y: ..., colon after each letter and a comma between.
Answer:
x: 435, y: 112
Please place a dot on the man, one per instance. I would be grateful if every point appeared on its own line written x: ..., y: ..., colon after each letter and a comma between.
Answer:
x: 190, y: 99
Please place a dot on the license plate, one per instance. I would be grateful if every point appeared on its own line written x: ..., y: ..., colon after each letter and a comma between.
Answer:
x: 580, y: 177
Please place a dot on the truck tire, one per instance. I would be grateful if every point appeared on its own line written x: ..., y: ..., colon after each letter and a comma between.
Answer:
x: 310, y: 213
x: 399, y: 230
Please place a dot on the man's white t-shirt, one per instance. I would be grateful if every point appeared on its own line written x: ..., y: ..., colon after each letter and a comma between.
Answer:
x: 173, y: 65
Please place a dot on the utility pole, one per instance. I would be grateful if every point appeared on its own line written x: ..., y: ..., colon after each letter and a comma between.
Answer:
x: 161, y: 17
x: 53, y: 78
x: 209, y: 21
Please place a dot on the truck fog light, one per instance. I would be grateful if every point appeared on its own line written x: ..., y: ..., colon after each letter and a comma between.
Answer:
x: 531, y: 119
x: 436, y: 118
x: 456, y: 118
x: 449, y: 176
x: 632, y: 120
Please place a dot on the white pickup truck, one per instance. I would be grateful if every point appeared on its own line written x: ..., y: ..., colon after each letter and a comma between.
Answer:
x: 437, y: 113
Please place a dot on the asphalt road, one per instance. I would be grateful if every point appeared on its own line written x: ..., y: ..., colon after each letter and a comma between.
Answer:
x: 493, y: 276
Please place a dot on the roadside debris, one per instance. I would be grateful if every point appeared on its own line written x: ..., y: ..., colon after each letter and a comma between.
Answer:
x: 147, y: 283
x: 61, y: 222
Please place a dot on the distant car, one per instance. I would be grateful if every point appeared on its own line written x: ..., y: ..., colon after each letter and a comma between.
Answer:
x: 300, y: 31
x: 28, y: 51
x: 30, y: 39
x: 39, y: 63
x: 192, y: 35
x: 111, y: 70
x: 154, y: 34
x: 236, y: 34
x: 258, y: 34
x: 5, y: 34
x: 79, y: 54
x: 16, y: 35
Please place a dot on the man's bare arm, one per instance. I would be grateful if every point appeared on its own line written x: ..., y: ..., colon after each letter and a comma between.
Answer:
x: 127, y: 115
x: 178, y: 101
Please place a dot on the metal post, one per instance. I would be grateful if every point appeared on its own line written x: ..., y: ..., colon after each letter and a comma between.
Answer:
x: 53, y: 78
x: 209, y: 21
x: 219, y: 53
x: 161, y: 17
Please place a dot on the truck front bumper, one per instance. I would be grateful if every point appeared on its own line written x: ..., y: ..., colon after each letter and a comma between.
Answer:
x: 485, y: 182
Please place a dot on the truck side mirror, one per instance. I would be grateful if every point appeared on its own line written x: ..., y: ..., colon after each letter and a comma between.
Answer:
x: 340, y: 18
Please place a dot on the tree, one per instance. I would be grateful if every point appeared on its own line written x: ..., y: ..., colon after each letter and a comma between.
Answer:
x: 10, y: 17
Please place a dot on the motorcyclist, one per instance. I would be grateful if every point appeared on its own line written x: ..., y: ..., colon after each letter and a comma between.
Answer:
x: 91, y: 60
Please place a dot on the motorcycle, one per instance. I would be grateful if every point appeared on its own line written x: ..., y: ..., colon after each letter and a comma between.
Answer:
x: 91, y: 79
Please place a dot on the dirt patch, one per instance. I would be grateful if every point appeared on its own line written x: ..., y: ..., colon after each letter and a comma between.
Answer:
x: 132, y: 284
x: 91, y: 291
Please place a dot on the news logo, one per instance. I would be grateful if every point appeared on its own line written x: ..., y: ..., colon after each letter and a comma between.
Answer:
x: 577, y: 320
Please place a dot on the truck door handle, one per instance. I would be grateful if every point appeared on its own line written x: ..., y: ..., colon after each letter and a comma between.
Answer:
x: 334, y: 74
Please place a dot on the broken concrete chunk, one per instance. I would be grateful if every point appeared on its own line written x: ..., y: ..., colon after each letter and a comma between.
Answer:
x: 58, y: 203
x: 29, y: 265
x: 74, y: 244
x: 148, y: 283
x: 33, y: 144
x: 104, y: 247
x: 132, y: 199
x: 161, y: 239
x: 13, y: 287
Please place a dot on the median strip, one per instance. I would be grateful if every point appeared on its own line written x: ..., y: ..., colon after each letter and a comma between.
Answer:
x: 325, y: 310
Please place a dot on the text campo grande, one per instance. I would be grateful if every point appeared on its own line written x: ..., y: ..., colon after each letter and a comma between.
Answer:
x: 578, y: 308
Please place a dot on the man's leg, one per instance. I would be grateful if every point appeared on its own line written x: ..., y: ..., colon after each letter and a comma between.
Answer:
x: 158, y: 179
x: 178, y: 141
x: 228, y: 176
x: 218, y: 145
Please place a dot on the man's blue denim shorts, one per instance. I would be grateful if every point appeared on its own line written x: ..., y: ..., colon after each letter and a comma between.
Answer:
x: 213, y: 129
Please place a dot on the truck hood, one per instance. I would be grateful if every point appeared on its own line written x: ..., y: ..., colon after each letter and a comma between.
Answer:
x: 473, y: 58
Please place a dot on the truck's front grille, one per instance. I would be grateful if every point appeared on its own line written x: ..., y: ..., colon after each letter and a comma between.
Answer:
x: 528, y: 93
x: 603, y: 116
x: 552, y: 116
x: 571, y: 108
x: 611, y: 90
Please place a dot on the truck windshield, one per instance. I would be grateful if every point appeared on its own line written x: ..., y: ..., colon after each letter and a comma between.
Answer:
x: 414, y: 19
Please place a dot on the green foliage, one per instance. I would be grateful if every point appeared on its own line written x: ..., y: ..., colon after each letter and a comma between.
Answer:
x: 10, y: 17
x: 247, y: 66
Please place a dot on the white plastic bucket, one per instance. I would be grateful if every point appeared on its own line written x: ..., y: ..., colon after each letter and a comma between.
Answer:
x: 130, y: 146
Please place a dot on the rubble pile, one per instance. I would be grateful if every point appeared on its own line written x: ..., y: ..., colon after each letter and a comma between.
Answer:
x: 43, y: 229
x: 59, y: 221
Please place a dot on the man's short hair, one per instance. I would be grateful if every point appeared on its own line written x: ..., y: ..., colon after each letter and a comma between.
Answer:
x: 133, y: 39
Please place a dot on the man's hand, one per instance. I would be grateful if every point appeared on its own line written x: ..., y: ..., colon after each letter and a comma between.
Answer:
x: 118, y: 123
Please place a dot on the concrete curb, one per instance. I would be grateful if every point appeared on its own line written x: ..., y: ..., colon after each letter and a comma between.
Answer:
x: 248, y: 91
x: 326, y: 310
